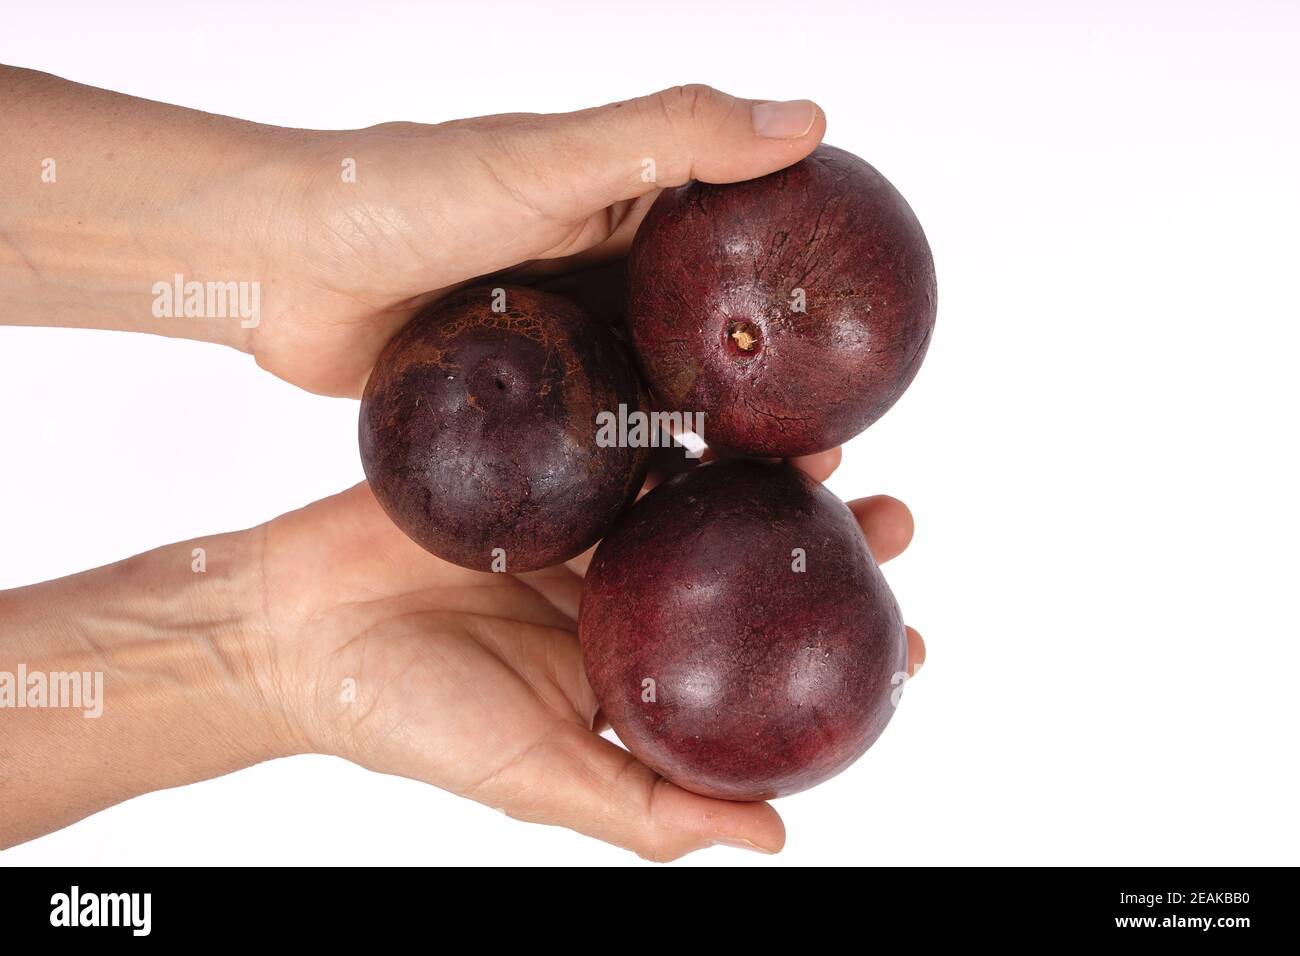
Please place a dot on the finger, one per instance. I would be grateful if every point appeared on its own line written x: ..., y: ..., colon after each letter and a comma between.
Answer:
x: 569, y: 165
x: 887, y: 524
x: 579, y: 780
x: 821, y: 465
x: 915, y: 652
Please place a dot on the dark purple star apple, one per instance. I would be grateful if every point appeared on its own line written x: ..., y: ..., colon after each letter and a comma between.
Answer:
x: 479, y: 432
x: 793, y: 310
x: 738, y: 634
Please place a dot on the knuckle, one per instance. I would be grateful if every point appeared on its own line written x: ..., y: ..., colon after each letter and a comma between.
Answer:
x: 690, y: 102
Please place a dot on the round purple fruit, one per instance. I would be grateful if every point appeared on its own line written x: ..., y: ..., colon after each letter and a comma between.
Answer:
x: 479, y: 429
x: 738, y: 634
x: 792, y: 310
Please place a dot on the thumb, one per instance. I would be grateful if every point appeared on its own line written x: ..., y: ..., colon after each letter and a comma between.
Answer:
x: 624, y: 150
x: 577, y: 779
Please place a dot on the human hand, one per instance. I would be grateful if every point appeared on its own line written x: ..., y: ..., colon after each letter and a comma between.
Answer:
x: 472, y: 682
x: 133, y: 194
x: 432, y: 207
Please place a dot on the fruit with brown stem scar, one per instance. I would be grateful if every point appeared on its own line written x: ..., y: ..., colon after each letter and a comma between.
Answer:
x: 792, y: 310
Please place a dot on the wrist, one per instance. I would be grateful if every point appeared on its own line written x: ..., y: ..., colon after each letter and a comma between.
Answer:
x: 169, y: 649
x: 112, y: 198
x: 188, y: 636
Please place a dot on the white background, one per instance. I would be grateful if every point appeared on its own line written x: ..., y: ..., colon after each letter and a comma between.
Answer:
x: 1100, y: 450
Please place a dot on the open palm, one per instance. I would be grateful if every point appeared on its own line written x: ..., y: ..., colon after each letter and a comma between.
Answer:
x: 474, y: 682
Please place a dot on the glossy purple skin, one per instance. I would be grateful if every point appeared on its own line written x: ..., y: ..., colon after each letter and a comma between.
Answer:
x: 478, y: 429
x: 711, y: 261
x: 766, y: 680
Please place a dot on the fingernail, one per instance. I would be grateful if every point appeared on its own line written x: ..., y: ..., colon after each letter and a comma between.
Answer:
x: 740, y: 844
x: 787, y: 120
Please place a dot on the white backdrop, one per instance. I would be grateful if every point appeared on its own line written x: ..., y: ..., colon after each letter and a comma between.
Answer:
x: 1100, y: 450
